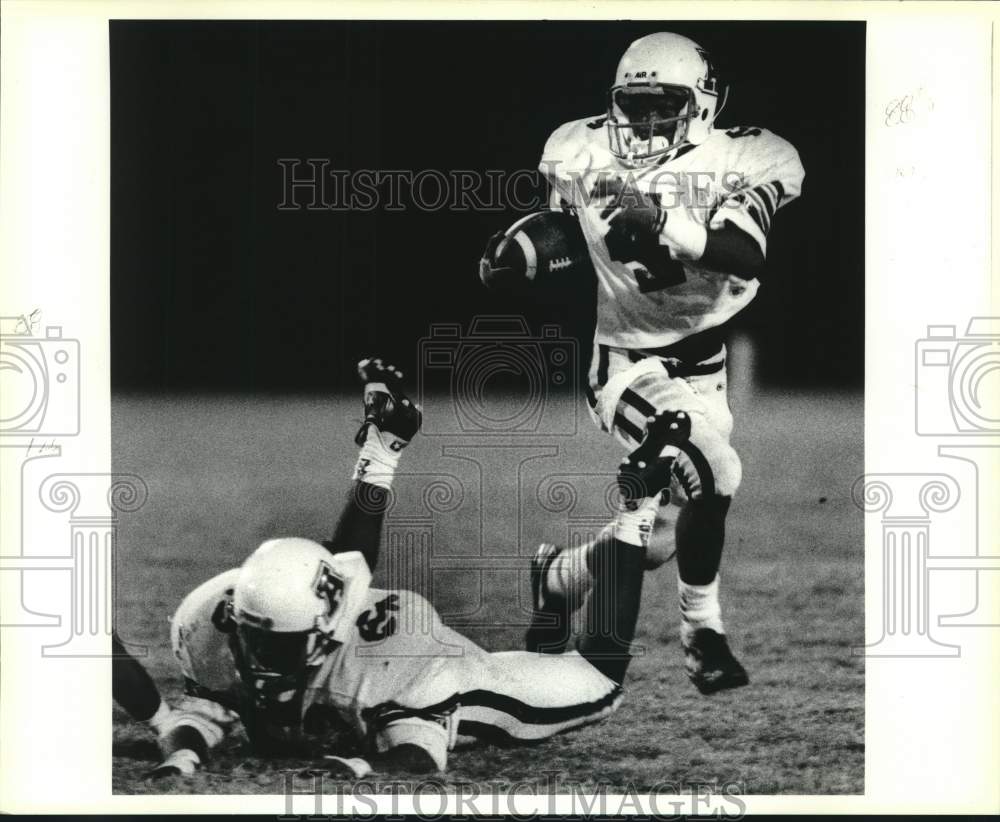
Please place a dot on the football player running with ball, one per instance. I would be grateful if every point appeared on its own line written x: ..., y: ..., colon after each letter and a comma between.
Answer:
x: 298, y: 627
x: 675, y: 214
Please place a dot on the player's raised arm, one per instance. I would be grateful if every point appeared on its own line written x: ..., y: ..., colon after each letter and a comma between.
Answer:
x: 391, y: 421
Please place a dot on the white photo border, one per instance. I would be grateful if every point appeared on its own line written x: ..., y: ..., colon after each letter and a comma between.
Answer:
x: 930, y: 183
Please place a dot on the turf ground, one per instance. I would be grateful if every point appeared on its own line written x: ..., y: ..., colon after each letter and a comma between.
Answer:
x: 226, y: 473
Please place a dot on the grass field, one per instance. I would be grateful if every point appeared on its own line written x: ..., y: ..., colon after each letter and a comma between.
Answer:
x: 226, y: 473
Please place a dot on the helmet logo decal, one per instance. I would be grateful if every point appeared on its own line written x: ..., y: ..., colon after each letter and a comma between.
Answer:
x: 328, y: 586
x: 711, y: 81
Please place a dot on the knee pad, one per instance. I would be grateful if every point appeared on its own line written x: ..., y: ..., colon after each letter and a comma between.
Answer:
x: 709, y: 468
x: 729, y: 473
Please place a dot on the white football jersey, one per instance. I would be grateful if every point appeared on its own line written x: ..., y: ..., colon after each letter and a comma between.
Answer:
x: 392, y: 658
x: 739, y: 174
x: 402, y: 677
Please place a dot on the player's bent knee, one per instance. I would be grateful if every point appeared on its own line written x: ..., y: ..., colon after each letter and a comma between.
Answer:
x: 729, y: 474
x: 712, y: 469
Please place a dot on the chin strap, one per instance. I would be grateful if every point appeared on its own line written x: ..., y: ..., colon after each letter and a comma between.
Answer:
x: 719, y: 108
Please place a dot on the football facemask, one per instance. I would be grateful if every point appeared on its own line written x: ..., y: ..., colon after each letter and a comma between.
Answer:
x: 279, y: 656
x: 275, y: 668
x: 646, y: 122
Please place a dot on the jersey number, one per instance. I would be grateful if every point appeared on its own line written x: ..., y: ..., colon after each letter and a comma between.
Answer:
x: 381, y: 624
x: 742, y: 131
x: 658, y: 270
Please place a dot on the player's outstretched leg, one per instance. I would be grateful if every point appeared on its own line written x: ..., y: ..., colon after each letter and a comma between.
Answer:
x: 391, y: 420
x: 618, y: 561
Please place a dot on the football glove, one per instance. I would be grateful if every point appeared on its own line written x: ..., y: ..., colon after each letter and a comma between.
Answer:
x: 392, y: 415
x: 496, y: 276
x: 638, y: 213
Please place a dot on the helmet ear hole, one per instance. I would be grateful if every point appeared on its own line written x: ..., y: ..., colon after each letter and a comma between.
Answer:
x: 704, y: 114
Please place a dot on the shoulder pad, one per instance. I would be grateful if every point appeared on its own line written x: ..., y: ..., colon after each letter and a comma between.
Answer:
x: 201, y: 602
x: 571, y: 144
x: 760, y: 156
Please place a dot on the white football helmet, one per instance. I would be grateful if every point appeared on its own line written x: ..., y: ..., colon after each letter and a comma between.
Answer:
x: 293, y: 602
x: 666, y: 96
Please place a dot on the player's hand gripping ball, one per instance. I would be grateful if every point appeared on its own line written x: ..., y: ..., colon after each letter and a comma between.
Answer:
x: 543, y: 249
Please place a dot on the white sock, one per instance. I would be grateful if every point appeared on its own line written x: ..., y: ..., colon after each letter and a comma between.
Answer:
x: 156, y: 720
x: 700, y: 608
x: 635, y: 524
x: 377, y: 461
x: 569, y: 575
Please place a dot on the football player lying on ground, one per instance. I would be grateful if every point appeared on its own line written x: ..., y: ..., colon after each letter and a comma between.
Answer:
x: 675, y: 215
x: 299, y: 628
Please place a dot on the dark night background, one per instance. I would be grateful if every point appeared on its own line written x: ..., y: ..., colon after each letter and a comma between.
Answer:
x: 214, y: 287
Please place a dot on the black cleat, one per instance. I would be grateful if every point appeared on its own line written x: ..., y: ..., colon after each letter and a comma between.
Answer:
x: 387, y: 408
x: 550, y: 618
x: 646, y: 471
x: 710, y: 664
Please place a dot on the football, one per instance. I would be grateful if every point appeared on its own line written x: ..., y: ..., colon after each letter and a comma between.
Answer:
x: 542, y: 249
